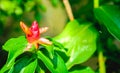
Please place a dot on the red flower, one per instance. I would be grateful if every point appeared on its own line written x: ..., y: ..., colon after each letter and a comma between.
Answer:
x: 33, y: 35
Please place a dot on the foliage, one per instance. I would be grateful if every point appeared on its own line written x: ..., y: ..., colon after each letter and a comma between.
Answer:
x: 112, y: 25
x: 93, y: 33
x: 84, y: 46
x: 55, y: 63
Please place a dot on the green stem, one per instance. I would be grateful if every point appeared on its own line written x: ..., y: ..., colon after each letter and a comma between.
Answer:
x: 101, y: 59
x: 68, y: 9
x: 96, y: 3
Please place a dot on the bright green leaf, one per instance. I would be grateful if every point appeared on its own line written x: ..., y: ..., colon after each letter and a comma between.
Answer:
x: 15, y: 47
x: 11, y: 70
x: 110, y: 16
x: 39, y: 69
x: 15, y: 44
x: 81, y: 69
x: 30, y: 68
x: 46, y: 61
x: 56, y: 65
x: 50, y: 51
x: 59, y: 64
x: 22, y: 62
x: 80, y: 41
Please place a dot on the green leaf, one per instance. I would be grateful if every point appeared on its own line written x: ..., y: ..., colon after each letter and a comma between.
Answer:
x: 59, y: 64
x: 15, y: 44
x: 24, y: 60
x: 50, y: 50
x: 80, y: 41
x: 15, y: 47
x: 56, y: 46
x: 110, y: 16
x: 56, y: 65
x: 46, y: 61
x: 81, y: 69
x: 30, y: 68
x: 39, y: 69
x: 11, y: 70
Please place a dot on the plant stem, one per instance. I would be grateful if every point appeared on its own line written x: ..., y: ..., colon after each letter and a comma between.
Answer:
x: 101, y: 59
x: 96, y: 3
x: 68, y: 9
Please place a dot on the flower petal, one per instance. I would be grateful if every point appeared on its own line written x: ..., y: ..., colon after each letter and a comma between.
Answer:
x: 43, y: 29
x: 25, y: 28
x: 44, y: 41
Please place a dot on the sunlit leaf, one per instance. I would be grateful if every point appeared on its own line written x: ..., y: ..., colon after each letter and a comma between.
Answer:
x: 80, y: 39
x: 59, y: 64
x: 15, y: 47
x: 56, y: 65
x: 39, y: 69
x: 22, y: 62
x: 46, y: 61
x: 81, y: 69
x: 30, y: 68
x: 50, y: 51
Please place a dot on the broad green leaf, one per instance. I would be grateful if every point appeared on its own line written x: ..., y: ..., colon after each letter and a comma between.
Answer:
x: 15, y: 47
x: 110, y: 17
x: 39, y: 69
x: 59, y: 64
x: 22, y: 62
x: 30, y: 68
x: 46, y: 61
x: 81, y: 69
x: 11, y: 70
x: 15, y: 44
x: 56, y: 65
x: 56, y: 46
x: 49, y: 49
x: 80, y: 39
